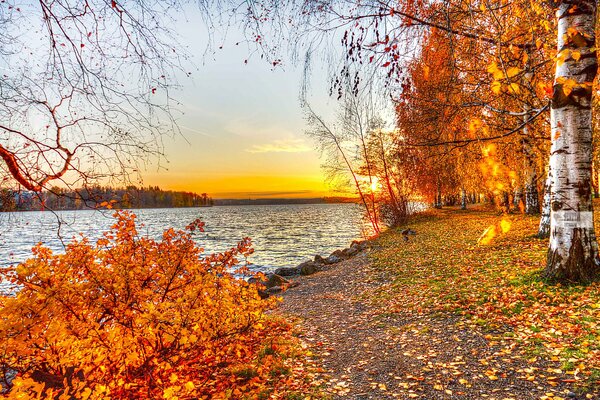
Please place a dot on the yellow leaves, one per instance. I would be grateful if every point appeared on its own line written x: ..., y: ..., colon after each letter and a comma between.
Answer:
x: 514, y: 88
x: 572, y: 31
x: 512, y: 72
x: 567, y: 85
x: 496, y: 87
x: 170, y: 318
x: 502, y: 79
x: 491, y: 374
x: 576, y: 55
x: 169, y: 393
x: 562, y: 57
x: 498, y: 292
x: 539, y: 43
x: 496, y: 72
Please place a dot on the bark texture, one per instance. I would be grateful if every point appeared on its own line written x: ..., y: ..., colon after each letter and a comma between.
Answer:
x: 544, y: 229
x: 573, y: 250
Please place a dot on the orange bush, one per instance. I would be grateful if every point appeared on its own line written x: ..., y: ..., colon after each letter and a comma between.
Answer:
x: 130, y: 317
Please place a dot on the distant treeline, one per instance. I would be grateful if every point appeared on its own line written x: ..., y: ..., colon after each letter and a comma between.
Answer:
x: 274, y: 201
x: 94, y: 197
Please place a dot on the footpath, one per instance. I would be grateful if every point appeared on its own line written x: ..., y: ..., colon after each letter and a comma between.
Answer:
x: 434, y: 318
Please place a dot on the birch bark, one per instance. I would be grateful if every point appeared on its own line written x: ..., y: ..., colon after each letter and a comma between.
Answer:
x: 573, y: 250
x: 544, y: 228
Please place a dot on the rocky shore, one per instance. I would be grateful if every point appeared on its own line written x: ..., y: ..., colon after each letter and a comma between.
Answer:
x: 280, y: 279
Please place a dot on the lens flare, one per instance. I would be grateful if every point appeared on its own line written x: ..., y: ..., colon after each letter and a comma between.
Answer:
x: 493, y: 231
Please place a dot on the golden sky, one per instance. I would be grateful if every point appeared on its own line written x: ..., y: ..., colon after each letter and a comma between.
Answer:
x: 242, y: 128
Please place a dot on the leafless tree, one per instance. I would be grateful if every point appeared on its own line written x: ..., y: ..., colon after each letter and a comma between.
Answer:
x: 85, y: 88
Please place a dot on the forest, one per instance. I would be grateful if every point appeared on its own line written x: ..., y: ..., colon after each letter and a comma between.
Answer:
x: 57, y: 198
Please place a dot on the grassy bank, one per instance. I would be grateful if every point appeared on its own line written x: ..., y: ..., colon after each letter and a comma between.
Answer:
x: 496, y: 288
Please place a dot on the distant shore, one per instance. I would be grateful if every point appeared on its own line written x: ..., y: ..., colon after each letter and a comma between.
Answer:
x: 283, y: 201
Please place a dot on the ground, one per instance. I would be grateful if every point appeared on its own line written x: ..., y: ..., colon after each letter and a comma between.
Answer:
x: 441, y: 316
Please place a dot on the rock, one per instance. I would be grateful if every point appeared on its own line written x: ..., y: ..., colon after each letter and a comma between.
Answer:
x: 255, y: 280
x: 360, y: 244
x: 308, y: 268
x: 332, y: 259
x: 339, y: 253
x: 320, y: 260
x: 272, y: 284
x: 293, y: 284
x: 287, y: 271
x: 350, y: 251
x: 274, y: 289
x: 275, y: 280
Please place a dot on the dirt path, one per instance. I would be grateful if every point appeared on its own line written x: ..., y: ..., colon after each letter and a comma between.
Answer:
x: 368, y: 353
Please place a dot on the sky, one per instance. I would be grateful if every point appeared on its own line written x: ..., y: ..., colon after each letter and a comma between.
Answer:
x: 242, y: 125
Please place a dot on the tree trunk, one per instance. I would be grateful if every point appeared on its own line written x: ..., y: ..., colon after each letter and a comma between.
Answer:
x: 505, y: 202
x: 532, y: 199
x: 463, y: 199
x: 438, y: 196
x: 544, y: 229
x: 517, y: 198
x: 532, y: 202
x: 573, y: 250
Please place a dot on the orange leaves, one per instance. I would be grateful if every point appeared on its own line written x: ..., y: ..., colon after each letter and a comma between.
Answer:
x: 496, y: 175
x: 134, y: 318
x: 504, y: 79
x: 545, y: 89
x: 498, y: 288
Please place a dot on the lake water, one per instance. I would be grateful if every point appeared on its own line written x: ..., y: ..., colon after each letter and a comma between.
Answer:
x: 282, y: 235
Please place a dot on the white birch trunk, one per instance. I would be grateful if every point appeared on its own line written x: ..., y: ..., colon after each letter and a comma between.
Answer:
x: 463, y: 199
x: 544, y: 228
x: 573, y: 250
x: 532, y: 202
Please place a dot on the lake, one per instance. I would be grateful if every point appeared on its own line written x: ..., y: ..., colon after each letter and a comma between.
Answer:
x: 282, y: 235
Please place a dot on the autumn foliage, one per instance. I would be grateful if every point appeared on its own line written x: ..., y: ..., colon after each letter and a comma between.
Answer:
x: 129, y: 317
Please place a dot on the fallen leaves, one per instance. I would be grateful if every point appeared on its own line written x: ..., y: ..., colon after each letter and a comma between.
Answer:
x: 497, y: 288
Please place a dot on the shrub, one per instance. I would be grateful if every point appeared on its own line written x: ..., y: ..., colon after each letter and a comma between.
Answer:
x: 129, y: 317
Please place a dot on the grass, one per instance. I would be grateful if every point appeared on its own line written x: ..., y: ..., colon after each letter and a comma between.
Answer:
x: 495, y: 286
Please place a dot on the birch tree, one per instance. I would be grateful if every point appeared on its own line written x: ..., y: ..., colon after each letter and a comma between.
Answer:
x: 573, y: 251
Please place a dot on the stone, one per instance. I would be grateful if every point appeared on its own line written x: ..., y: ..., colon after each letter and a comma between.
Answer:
x: 287, y: 271
x: 308, y: 268
x: 360, y: 244
x: 274, y: 289
x: 350, y: 251
x: 275, y: 280
x: 273, y: 283
x: 332, y: 259
x: 320, y: 260
x: 339, y: 253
